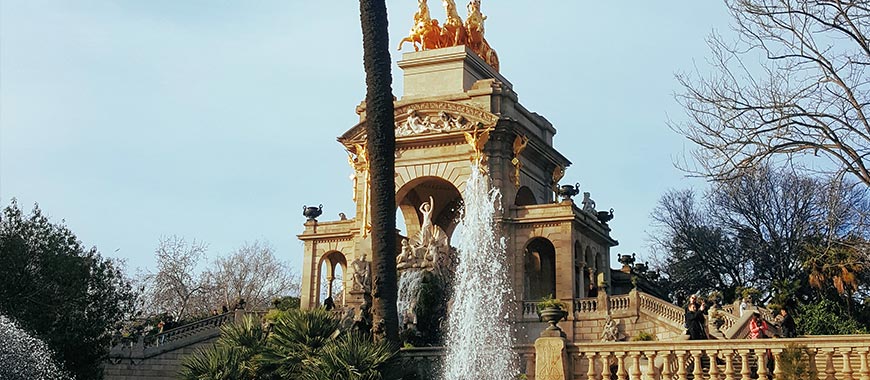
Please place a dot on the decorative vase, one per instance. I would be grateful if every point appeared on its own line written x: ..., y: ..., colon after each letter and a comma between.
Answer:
x: 312, y: 212
x: 553, y: 315
x: 568, y: 191
x: 605, y: 216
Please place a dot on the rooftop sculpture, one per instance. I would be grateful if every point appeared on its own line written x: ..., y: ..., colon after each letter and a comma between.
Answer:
x: 427, y: 34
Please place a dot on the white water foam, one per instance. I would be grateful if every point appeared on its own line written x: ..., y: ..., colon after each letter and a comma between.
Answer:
x: 409, y: 291
x: 23, y: 356
x: 479, y: 339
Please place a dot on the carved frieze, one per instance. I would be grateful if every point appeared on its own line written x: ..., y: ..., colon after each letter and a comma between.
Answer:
x: 430, y: 117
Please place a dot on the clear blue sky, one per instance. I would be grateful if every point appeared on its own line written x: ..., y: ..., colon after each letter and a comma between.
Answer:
x: 216, y: 120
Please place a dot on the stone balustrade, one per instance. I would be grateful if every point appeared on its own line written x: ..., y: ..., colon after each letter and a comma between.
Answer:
x: 181, y: 332
x: 585, y: 305
x: 618, y: 303
x: 831, y: 357
x: 664, y: 310
x: 529, y: 310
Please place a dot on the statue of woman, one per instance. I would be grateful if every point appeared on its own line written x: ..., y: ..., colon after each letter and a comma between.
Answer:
x: 426, y: 231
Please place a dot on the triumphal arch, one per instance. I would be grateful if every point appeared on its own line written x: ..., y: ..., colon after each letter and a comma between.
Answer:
x: 555, y: 245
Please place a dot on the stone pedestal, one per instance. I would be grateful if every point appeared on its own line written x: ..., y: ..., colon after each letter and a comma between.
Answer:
x: 551, y: 359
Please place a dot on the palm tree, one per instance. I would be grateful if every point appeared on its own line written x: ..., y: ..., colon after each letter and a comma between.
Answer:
x: 213, y: 363
x: 381, y: 141
x: 234, y: 356
x: 354, y: 357
x: 295, y: 340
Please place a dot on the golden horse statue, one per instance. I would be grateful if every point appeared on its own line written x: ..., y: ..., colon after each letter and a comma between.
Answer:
x: 474, y: 30
x: 425, y: 31
x: 453, y: 31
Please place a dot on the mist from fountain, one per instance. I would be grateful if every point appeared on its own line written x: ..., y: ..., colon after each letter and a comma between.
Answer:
x: 23, y: 356
x: 479, y: 339
x: 409, y: 292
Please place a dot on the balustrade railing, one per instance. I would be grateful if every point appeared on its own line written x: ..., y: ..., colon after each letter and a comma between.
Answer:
x: 529, y: 310
x: 187, y: 330
x: 620, y: 302
x: 830, y: 357
x: 666, y: 310
x: 585, y: 305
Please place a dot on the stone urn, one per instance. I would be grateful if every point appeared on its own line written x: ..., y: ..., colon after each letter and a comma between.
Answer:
x: 605, y: 216
x: 312, y: 212
x: 568, y: 191
x: 552, y: 315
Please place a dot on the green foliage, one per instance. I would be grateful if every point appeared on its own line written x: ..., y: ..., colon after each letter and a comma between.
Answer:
x: 213, y: 363
x: 353, y: 357
x: 286, y: 303
x: 794, y: 363
x: 296, y: 338
x: 301, y: 344
x: 826, y: 317
x: 643, y: 336
x: 549, y: 302
x: 234, y: 356
x: 70, y: 296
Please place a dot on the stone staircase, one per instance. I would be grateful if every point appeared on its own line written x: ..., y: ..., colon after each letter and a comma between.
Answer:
x: 160, y: 356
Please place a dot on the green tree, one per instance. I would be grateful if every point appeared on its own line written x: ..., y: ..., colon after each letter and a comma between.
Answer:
x: 381, y: 145
x: 767, y: 230
x: 69, y: 295
x: 826, y: 317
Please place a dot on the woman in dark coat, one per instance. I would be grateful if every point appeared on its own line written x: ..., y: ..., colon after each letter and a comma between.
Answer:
x: 695, y: 322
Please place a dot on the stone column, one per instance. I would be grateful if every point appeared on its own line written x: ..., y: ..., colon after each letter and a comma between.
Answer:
x: 551, y: 356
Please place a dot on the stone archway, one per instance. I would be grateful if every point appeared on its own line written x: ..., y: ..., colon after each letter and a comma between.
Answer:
x: 539, y: 269
x: 332, y: 266
x: 525, y: 197
x: 445, y: 197
x: 590, y: 273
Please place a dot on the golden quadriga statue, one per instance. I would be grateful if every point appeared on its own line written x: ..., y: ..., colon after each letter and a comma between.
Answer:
x: 426, y: 34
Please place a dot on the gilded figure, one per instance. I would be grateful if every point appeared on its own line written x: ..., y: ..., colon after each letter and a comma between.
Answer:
x: 477, y: 138
x: 520, y: 143
x: 453, y: 31
x: 474, y: 32
x: 425, y: 31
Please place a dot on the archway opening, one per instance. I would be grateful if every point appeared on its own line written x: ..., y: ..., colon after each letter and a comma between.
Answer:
x: 446, y: 201
x: 525, y: 197
x: 539, y: 269
x: 330, y: 282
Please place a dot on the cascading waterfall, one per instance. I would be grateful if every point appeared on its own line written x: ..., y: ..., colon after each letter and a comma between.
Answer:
x: 479, y: 337
x: 409, y: 291
x: 23, y: 356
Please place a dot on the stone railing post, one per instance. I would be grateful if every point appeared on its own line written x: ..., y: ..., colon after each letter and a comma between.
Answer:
x: 551, y: 356
x: 865, y: 367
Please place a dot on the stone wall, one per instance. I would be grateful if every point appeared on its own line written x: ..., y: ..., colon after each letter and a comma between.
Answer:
x: 162, y: 366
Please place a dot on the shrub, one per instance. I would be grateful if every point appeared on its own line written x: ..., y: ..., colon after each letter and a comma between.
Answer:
x: 549, y: 302
x: 826, y: 317
x: 643, y: 336
x: 794, y: 362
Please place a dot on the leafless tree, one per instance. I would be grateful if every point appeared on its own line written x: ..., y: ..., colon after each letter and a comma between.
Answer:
x: 793, y: 85
x: 174, y: 287
x: 251, y: 273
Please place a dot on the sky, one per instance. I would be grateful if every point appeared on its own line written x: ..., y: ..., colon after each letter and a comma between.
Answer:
x: 217, y: 120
